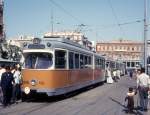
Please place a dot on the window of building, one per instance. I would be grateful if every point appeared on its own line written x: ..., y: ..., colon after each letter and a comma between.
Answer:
x: 99, y: 48
x: 111, y: 47
x: 124, y: 47
x: 107, y: 47
x: 115, y: 47
x: 120, y: 47
x: 103, y: 47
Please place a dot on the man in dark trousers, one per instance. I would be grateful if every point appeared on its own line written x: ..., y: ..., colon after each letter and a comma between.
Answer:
x: 6, y: 84
x: 143, y: 87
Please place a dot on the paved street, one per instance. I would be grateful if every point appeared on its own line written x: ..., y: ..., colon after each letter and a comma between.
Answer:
x: 107, y: 99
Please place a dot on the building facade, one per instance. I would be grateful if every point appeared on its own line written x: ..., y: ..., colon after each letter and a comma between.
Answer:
x: 129, y: 52
x: 74, y: 36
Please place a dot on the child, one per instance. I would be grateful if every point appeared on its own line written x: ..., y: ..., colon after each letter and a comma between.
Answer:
x: 130, y: 99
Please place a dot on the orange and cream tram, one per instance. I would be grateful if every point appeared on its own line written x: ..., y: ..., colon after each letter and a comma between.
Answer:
x: 57, y: 66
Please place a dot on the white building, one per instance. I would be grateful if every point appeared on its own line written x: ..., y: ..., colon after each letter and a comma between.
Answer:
x: 74, y: 36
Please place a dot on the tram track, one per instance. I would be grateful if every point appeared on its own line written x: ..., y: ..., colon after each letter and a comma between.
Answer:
x: 70, y: 102
x: 27, y: 110
x: 23, y: 109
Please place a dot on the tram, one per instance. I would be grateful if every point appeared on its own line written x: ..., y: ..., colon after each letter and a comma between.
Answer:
x: 121, y: 66
x: 116, y: 65
x: 56, y: 66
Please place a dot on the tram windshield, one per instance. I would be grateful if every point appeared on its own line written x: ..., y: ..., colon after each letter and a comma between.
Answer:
x: 38, y: 60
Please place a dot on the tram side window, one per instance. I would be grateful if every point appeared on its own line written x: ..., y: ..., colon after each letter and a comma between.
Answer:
x: 132, y: 64
x: 128, y: 64
x: 89, y: 61
x: 100, y: 63
x: 103, y: 63
x: 71, y: 60
x: 81, y: 61
x: 77, y: 61
x: 85, y: 60
x: 60, y: 59
x: 96, y: 62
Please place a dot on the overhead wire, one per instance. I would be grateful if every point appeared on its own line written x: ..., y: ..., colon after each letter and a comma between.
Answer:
x: 65, y: 11
x: 115, y: 16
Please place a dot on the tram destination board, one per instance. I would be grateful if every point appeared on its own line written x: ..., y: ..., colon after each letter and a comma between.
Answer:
x: 36, y: 46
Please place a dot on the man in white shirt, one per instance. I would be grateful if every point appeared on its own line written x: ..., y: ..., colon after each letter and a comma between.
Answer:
x: 16, y: 85
x: 143, y: 87
x: 115, y: 75
x: 2, y: 70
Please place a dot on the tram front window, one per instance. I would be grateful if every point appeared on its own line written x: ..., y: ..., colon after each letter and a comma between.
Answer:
x: 38, y: 60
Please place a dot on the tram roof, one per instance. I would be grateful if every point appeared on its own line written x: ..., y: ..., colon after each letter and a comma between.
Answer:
x: 64, y: 40
x: 65, y: 44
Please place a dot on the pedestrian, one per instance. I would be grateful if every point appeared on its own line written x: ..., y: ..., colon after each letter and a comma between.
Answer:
x: 6, y: 84
x: 143, y: 87
x: 131, y: 74
x: 115, y: 75
x: 13, y: 69
x: 2, y: 70
x: 130, y: 99
x: 109, y: 78
x: 118, y: 73
x: 17, y: 85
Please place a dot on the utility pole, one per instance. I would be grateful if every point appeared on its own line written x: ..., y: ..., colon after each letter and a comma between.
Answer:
x: 145, y: 34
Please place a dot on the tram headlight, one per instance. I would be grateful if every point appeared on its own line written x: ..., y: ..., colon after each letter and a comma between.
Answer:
x: 48, y: 44
x: 27, y: 90
x: 33, y: 82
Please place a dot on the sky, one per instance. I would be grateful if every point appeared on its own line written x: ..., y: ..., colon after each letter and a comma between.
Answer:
x: 103, y: 20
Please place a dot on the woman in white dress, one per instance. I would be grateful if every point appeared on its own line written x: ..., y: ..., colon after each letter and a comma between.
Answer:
x: 109, y: 78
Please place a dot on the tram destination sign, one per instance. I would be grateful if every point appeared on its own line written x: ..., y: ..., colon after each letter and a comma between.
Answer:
x: 36, y: 46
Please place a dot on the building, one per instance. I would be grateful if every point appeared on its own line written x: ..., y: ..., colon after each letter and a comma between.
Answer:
x: 20, y: 41
x: 127, y: 51
x: 74, y: 36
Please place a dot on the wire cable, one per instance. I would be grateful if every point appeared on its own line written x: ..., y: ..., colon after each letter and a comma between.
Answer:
x: 65, y: 11
x: 116, y: 18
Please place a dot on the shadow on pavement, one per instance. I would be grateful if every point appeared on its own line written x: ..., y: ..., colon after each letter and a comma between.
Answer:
x: 135, y: 112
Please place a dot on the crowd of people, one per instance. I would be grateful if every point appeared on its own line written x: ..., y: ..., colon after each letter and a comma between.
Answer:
x: 112, y: 76
x: 142, y: 89
x: 10, y: 82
